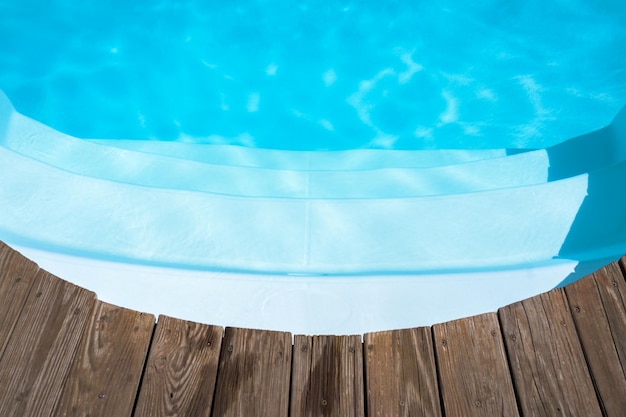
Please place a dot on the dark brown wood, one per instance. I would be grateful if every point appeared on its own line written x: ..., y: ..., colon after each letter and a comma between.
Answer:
x: 42, y: 346
x: 598, y: 303
x: 327, y: 377
x: 254, y: 372
x: 17, y: 274
x: 473, y: 371
x: 400, y: 374
x: 181, y: 370
x: 548, y: 366
x: 107, y: 368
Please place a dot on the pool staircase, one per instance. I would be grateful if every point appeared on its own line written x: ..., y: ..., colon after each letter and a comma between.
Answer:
x: 352, y: 212
x: 63, y: 352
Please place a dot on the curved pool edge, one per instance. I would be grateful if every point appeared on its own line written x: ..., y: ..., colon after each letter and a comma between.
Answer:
x: 303, y: 304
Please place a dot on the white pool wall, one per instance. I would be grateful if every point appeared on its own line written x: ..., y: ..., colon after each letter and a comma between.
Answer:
x: 303, y: 305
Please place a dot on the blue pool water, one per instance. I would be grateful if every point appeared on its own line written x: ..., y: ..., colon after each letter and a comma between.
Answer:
x: 471, y: 153
x: 318, y: 75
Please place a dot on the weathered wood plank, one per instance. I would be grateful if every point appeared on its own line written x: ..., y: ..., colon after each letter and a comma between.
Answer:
x: 17, y: 275
x: 598, y: 303
x: 107, y: 369
x: 548, y: 366
x: 254, y: 372
x: 327, y: 377
x: 181, y: 370
x: 42, y: 346
x: 400, y: 374
x: 473, y: 371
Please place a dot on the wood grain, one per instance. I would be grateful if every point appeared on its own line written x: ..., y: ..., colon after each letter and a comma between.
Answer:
x: 42, y: 346
x: 473, y: 371
x: 107, y: 369
x: 17, y: 275
x: 547, y: 361
x: 400, y: 374
x: 181, y: 370
x: 598, y: 303
x: 62, y: 353
x: 254, y: 374
x: 327, y: 377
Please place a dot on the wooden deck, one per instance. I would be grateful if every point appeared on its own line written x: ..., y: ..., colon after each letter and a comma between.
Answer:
x: 64, y: 353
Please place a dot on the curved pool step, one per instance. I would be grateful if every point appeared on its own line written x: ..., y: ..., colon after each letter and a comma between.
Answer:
x: 78, y: 157
x: 45, y: 145
x: 600, y: 149
x: 46, y: 207
x: 63, y: 351
x: 347, y: 160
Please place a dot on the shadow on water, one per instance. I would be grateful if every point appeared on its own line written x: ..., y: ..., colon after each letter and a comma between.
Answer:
x: 598, y: 233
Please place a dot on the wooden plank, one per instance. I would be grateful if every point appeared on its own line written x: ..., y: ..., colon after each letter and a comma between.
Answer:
x: 473, y: 371
x: 253, y: 376
x: 327, y: 377
x: 181, y: 370
x: 598, y: 303
x: 17, y: 275
x: 40, y: 351
x: 107, y: 369
x: 547, y: 362
x: 400, y: 374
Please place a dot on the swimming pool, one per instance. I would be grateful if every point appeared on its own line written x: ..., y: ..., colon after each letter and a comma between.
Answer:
x: 347, y: 152
x: 303, y: 75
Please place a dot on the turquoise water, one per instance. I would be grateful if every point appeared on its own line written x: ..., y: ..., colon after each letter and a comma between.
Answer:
x: 301, y: 138
x: 318, y: 75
